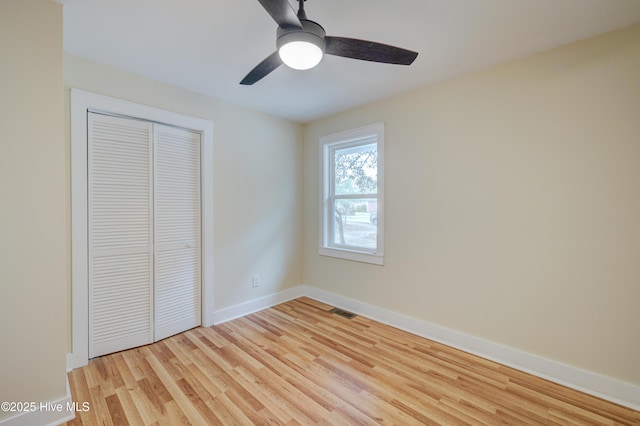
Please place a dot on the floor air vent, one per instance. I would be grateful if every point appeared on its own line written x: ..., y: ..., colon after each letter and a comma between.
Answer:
x: 342, y: 313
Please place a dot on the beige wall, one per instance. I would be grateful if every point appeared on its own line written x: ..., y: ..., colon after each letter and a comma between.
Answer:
x: 32, y: 203
x: 512, y: 206
x: 512, y: 201
x: 257, y: 187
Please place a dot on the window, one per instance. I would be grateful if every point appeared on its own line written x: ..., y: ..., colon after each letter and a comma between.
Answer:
x: 352, y: 214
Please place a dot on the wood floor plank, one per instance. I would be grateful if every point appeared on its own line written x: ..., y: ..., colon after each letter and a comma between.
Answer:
x: 298, y: 364
x: 129, y: 407
x: 100, y: 407
x: 80, y: 391
x: 185, y: 400
x: 280, y: 410
x: 118, y: 417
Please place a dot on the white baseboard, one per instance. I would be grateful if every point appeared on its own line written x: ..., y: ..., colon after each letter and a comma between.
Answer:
x: 246, y: 308
x: 47, y: 413
x: 585, y: 381
x: 613, y: 390
x: 77, y: 359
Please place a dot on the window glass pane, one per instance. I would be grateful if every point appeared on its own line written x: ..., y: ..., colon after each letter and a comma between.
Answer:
x: 356, y: 170
x: 355, y: 223
x: 352, y: 194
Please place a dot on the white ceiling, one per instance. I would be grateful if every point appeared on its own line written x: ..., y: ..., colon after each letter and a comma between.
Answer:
x: 208, y: 46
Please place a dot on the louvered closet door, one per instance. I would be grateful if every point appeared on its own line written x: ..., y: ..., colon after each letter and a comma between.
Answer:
x: 177, y: 230
x: 120, y: 234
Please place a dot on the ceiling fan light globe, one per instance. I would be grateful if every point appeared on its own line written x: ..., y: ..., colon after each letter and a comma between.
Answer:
x: 300, y: 55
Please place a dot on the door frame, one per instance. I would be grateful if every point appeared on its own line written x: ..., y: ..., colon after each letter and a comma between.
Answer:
x: 81, y: 103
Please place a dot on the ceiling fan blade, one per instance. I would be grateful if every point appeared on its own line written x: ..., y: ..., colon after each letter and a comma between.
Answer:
x: 282, y: 12
x: 261, y: 70
x: 369, y: 51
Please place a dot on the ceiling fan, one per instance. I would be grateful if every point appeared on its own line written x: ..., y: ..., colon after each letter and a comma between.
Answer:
x: 301, y: 44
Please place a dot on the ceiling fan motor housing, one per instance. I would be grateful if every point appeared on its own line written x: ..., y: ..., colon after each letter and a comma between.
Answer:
x: 311, y: 32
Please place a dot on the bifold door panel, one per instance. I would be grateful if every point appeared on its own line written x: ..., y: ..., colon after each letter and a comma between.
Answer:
x: 144, y: 232
x: 177, y: 230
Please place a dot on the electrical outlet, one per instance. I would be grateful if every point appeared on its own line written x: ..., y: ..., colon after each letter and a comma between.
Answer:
x: 256, y: 281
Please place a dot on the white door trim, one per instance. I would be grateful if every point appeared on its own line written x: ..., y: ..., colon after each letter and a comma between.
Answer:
x: 81, y: 102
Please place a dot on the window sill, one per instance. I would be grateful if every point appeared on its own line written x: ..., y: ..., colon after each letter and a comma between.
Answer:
x: 356, y: 256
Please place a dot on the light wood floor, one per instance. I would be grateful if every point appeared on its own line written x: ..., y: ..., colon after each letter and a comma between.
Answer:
x: 298, y: 364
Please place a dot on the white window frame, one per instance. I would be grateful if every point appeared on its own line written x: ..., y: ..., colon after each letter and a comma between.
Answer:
x: 373, y: 133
